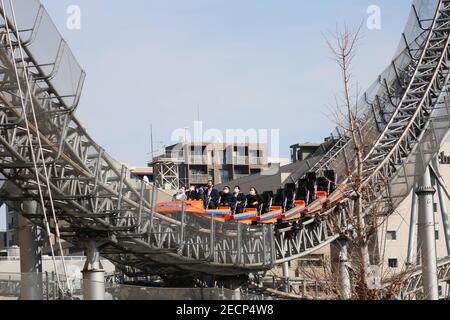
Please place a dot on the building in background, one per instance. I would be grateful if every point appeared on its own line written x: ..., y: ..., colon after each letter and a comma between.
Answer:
x: 140, y: 173
x: 394, y: 233
x: 302, y: 151
x: 3, y: 239
x: 12, y: 227
x: 273, y: 161
x: 194, y: 163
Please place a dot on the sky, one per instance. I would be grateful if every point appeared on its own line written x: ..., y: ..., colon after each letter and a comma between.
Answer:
x: 261, y: 64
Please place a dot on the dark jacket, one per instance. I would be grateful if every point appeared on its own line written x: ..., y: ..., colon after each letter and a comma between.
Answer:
x: 193, y: 195
x: 253, y: 199
x: 212, y: 198
x: 214, y: 194
x: 240, y: 198
x: 227, y: 200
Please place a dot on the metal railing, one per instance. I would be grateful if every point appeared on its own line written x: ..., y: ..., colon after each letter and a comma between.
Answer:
x: 65, y: 258
x: 240, y: 176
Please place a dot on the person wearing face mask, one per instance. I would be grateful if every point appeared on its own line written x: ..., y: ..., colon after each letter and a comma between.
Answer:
x: 212, y: 196
x: 254, y: 200
x: 227, y: 198
x: 239, y: 199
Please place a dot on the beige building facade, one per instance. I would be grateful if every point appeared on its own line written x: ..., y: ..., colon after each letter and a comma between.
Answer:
x: 394, y: 234
x: 195, y: 163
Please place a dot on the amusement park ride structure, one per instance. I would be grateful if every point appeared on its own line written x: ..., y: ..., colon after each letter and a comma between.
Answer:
x: 58, y: 178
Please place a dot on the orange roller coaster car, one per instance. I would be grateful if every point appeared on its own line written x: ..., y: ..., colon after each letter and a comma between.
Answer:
x: 252, y: 216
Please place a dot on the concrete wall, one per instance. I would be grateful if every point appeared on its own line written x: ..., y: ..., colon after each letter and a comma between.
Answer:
x: 74, y: 267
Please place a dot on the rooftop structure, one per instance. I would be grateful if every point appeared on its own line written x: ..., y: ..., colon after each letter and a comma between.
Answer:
x: 302, y: 151
x: 195, y: 163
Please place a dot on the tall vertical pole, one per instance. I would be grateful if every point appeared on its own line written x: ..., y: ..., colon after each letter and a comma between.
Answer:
x: 30, y: 256
x: 443, y: 205
x: 444, y: 214
x: 412, y: 229
x: 93, y: 274
x: 152, y: 150
x: 427, y: 237
x: 154, y: 186
x: 287, y: 286
x: 183, y: 219
x: 237, y: 294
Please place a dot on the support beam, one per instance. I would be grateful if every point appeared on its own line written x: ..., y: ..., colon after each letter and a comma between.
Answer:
x: 427, y: 237
x: 30, y: 242
x: 444, y: 215
x: 412, y: 229
x: 237, y: 294
x: 93, y: 274
x: 287, y: 285
x: 442, y: 204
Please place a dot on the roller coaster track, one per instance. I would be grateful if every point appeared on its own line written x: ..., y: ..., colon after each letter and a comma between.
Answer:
x: 95, y: 199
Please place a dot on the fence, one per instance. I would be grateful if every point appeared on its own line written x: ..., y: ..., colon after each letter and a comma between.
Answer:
x: 45, y: 287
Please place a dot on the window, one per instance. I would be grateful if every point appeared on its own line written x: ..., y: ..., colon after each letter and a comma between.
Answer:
x: 441, y: 291
x: 393, y: 263
x: 241, y: 151
x: 224, y: 157
x: 241, y: 170
x: 225, y: 176
x: 436, y: 234
x: 435, y: 207
x: 311, y: 261
x: 391, y: 235
x: 310, y: 264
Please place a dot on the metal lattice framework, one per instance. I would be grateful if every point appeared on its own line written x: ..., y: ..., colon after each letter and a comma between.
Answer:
x: 95, y: 198
x: 166, y: 173
x: 413, y: 287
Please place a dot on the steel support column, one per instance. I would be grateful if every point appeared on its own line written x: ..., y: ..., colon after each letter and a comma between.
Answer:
x: 427, y: 237
x: 287, y: 285
x: 93, y: 274
x: 237, y: 294
x: 443, y: 205
x: 30, y: 256
x: 412, y: 229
